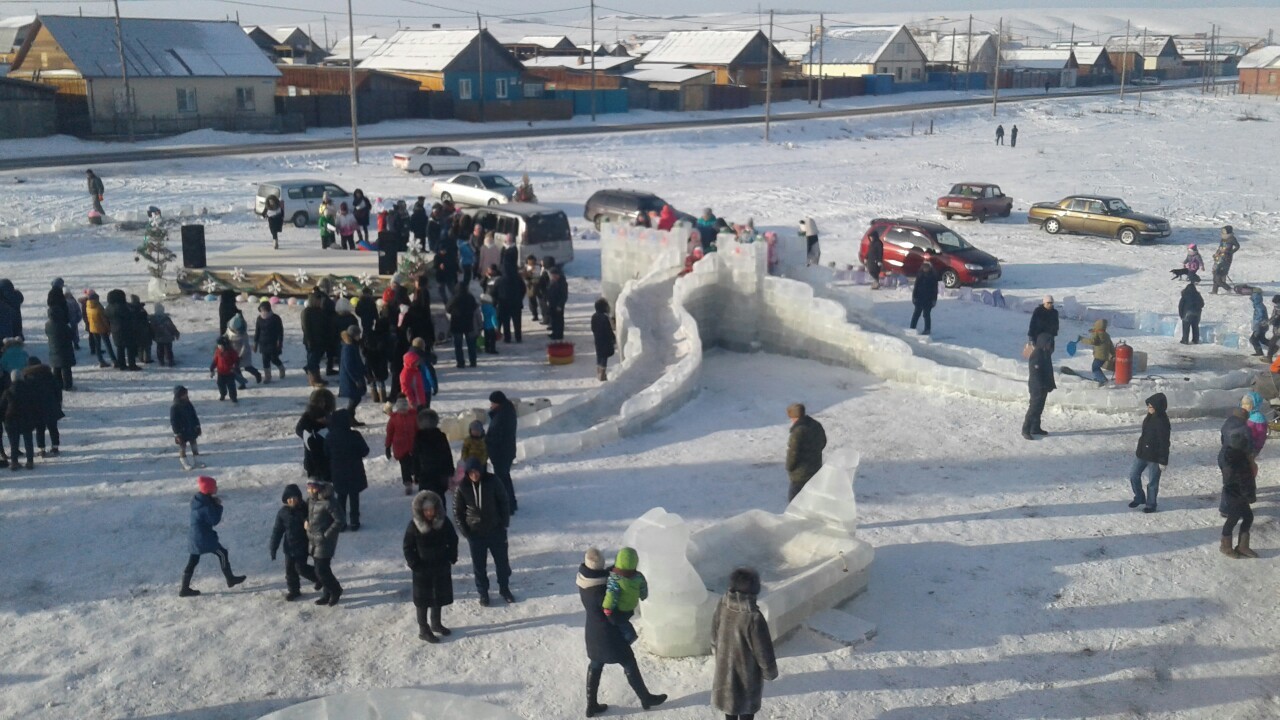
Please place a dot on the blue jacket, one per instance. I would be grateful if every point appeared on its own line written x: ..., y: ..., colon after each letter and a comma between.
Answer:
x: 183, y: 420
x: 1259, y: 312
x: 430, y: 382
x: 490, y: 314
x: 466, y: 253
x: 351, y: 372
x: 205, y: 513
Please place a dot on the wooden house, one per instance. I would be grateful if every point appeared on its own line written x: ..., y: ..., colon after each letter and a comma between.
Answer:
x: 867, y: 50
x: 737, y: 57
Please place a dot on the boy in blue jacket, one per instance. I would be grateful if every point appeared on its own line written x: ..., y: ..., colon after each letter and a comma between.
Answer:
x: 290, y: 527
x: 489, y: 314
x: 206, y: 512
x: 186, y: 427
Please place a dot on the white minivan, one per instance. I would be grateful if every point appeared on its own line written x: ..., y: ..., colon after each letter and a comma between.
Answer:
x: 539, y: 230
x: 301, y: 198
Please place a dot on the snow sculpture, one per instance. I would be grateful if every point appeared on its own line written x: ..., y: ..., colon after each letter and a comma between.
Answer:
x: 393, y: 704
x: 808, y: 558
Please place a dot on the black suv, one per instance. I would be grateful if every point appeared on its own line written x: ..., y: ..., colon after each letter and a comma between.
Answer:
x: 623, y: 206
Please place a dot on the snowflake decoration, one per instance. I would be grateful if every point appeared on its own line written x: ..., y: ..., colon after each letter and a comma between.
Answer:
x: 302, y: 277
x: 238, y: 274
x: 365, y: 279
x: 210, y: 285
x: 275, y: 288
x: 182, y: 274
x: 343, y: 291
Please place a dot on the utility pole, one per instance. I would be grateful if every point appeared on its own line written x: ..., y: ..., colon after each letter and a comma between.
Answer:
x: 1143, y: 45
x: 822, y: 49
x: 351, y: 84
x: 768, y: 80
x: 326, y: 32
x: 1128, y: 58
x: 593, y: 60
x: 995, y: 92
x: 124, y: 75
x: 968, y: 54
x: 1073, y: 36
x: 480, y: 63
x: 810, y: 74
x: 953, y: 58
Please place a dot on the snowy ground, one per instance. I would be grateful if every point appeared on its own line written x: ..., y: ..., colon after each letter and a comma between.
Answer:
x: 1010, y: 579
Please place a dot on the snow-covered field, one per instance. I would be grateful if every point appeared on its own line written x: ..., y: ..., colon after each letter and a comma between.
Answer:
x: 1010, y: 579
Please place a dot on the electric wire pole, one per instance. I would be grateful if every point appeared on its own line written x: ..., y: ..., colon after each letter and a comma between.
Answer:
x: 480, y: 63
x: 124, y: 75
x: 593, y: 60
x: 995, y: 91
x: 768, y: 80
x: 822, y: 48
x: 1124, y: 63
x: 351, y: 84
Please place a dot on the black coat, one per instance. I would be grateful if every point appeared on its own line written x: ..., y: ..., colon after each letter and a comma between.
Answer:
x: 315, y: 328
x: 418, y: 221
x: 183, y: 420
x: 347, y: 450
x: 875, y: 253
x: 376, y: 345
x: 268, y: 334
x: 121, y: 320
x: 1153, y: 446
x: 1040, y: 376
x: 315, y: 459
x: 61, y: 352
x: 1191, y: 302
x: 481, y: 509
x: 20, y: 407
x: 417, y: 321
x: 433, y: 458
x: 57, y: 304
x: 12, y: 299
x: 226, y: 310
x: 139, y: 325
x: 367, y: 311
x: 605, y: 643
x: 46, y: 394
x: 462, y: 313
x: 925, y: 292
x: 602, y: 333
x: 558, y: 293
x: 500, y: 438
x: 430, y: 552
x: 511, y: 288
x: 289, y: 528
x: 1043, y: 320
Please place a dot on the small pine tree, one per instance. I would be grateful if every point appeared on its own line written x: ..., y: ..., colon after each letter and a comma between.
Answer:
x: 155, y: 248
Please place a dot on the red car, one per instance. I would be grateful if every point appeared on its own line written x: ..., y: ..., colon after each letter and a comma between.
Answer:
x: 905, y: 242
x: 979, y: 200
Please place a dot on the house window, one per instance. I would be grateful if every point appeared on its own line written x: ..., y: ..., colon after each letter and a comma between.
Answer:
x: 244, y: 98
x: 187, y: 100
x: 1271, y: 78
x: 501, y: 88
x: 532, y: 90
x: 915, y: 73
x: 884, y: 70
x: 464, y: 89
x: 899, y: 48
x: 897, y: 74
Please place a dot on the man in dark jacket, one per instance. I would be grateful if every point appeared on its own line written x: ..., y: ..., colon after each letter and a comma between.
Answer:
x: 417, y: 322
x: 804, y: 448
x: 605, y: 644
x: 347, y: 450
x: 481, y: 512
x: 1044, y: 319
x: 924, y: 295
x: 418, y: 222
x: 290, y: 527
x: 432, y: 455
x: 875, y: 258
x: 315, y: 337
x: 268, y: 339
x: 1190, y: 306
x: 511, y: 293
x: 500, y: 442
x: 47, y: 396
x: 366, y: 311
x: 96, y: 190
x: 334, y: 342
x: 462, y: 324
x: 10, y: 310
x: 62, y: 356
x: 1040, y: 382
x: 1152, y: 454
x: 122, y: 335
x: 557, y: 299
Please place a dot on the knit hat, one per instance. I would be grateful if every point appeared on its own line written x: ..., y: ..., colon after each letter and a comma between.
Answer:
x: 1227, y: 229
x: 593, y: 559
x: 497, y: 396
x: 291, y: 491
x: 473, y: 464
x: 1192, y: 246
x: 179, y: 391
x: 627, y: 559
x: 1048, y: 299
x: 57, y: 282
x: 207, y: 485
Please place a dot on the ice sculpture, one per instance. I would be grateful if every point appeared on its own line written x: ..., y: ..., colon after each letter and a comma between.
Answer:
x: 808, y: 559
x: 393, y: 704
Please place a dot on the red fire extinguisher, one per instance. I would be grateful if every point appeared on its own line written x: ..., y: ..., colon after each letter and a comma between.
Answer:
x: 1124, y: 364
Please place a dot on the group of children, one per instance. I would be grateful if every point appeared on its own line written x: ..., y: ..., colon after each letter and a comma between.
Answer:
x: 30, y: 406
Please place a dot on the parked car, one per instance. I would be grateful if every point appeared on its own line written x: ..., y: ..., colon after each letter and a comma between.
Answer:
x: 1146, y: 80
x: 1097, y: 215
x: 905, y: 242
x: 979, y: 200
x: 432, y: 159
x: 538, y: 229
x: 622, y: 206
x: 471, y: 188
x: 301, y: 198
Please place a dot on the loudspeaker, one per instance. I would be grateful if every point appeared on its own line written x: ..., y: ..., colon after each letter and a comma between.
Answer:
x: 387, y: 262
x: 193, y: 246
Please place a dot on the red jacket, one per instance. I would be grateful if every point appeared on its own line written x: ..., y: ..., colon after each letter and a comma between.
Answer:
x: 667, y: 218
x: 411, y: 381
x: 225, y: 360
x: 401, y: 428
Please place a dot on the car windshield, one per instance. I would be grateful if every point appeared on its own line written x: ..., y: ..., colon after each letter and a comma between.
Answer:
x: 1117, y: 206
x: 494, y: 182
x: 418, y: 150
x: 547, y: 227
x: 951, y: 242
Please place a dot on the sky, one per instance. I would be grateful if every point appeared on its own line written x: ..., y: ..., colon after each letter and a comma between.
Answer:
x: 567, y: 16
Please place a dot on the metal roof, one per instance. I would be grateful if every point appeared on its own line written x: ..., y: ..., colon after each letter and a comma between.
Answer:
x: 158, y: 48
x: 1037, y: 58
x: 939, y: 49
x: 420, y: 50
x: 701, y: 47
x: 1150, y: 46
x: 1088, y: 54
x: 859, y: 45
x: 793, y: 50
x: 11, y: 28
x: 573, y: 62
x: 365, y: 45
x: 671, y: 74
x: 1266, y: 57
x: 550, y: 42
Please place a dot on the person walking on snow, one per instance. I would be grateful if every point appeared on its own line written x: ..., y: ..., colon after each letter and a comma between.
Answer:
x: 402, y: 428
x: 206, y: 512
x: 1274, y: 344
x: 324, y: 523
x: 224, y: 365
x: 1040, y: 383
x: 1190, y: 305
x: 805, y: 444
x: 1239, y: 490
x: 185, y: 425
x: 96, y: 190
x: 166, y: 333
x: 268, y: 339
x: 482, y: 514
x: 924, y: 295
x: 1259, y: 322
x: 743, y: 648
x: 291, y: 528
x: 1152, y: 455
x: 1013, y: 136
x: 347, y: 450
x: 809, y: 231
x: 500, y: 442
x: 557, y: 299
x: 1222, y: 257
x: 875, y: 258
x: 1000, y: 134
x: 273, y: 211
x: 1044, y: 319
x: 1103, y: 349
x: 430, y: 550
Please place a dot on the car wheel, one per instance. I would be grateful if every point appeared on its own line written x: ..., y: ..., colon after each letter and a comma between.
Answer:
x: 947, y: 215
x: 446, y: 197
x: 982, y: 216
x: 950, y: 278
x: 1007, y: 211
x: 300, y: 219
x: 425, y: 169
x: 1128, y: 235
x: 493, y: 201
x: 1052, y: 226
x: 473, y: 167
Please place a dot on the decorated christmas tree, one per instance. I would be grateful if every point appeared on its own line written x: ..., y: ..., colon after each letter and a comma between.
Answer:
x: 155, y: 247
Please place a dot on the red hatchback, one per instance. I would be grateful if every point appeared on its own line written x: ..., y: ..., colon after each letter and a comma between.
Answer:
x: 905, y: 242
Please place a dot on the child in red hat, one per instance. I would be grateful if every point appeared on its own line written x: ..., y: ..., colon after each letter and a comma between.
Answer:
x: 206, y: 511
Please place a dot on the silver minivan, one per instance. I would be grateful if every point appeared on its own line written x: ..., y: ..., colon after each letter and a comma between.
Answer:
x: 301, y: 198
x: 538, y: 229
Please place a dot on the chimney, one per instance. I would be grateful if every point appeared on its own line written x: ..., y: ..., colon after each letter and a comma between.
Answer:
x: 435, y: 26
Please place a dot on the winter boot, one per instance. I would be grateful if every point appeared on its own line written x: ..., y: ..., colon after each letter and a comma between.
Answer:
x: 373, y: 392
x: 1243, y: 548
x: 53, y: 452
x: 30, y: 463
x: 232, y: 579
x: 186, y: 590
x: 14, y: 464
x: 593, y: 690
x: 186, y: 465
x: 506, y: 595
x: 636, y: 681
x: 437, y: 626
x: 1225, y: 547
x: 281, y: 372
x: 266, y: 375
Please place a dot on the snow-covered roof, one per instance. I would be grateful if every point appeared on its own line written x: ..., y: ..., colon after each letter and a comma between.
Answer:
x: 939, y: 49
x: 365, y: 45
x: 1037, y: 58
x: 599, y: 48
x: 669, y: 74
x: 647, y: 46
x: 794, y: 50
x: 1265, y: 57
x: 419, y: 50
x: 158, y: 48
x: 550, y: 42
x: 603, y: 62
x: 701, y: 47
x: 1088, y: 54
x: 1199, y: 46
x: 10, y: 28
x: 1150, y: 46
x: 855, y: 45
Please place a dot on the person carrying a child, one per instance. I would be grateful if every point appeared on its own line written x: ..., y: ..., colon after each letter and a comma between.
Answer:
x: 624, y: 591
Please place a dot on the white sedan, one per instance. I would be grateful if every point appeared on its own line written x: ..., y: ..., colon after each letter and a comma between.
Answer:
x: 472, y: 188
x: 429, y: 160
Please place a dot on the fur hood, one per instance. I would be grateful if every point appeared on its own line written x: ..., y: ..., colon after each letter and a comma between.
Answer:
x: 420, y: 503
x: 324, y: 489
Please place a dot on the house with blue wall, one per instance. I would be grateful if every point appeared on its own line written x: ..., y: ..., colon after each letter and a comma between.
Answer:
x: 469, y: 65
